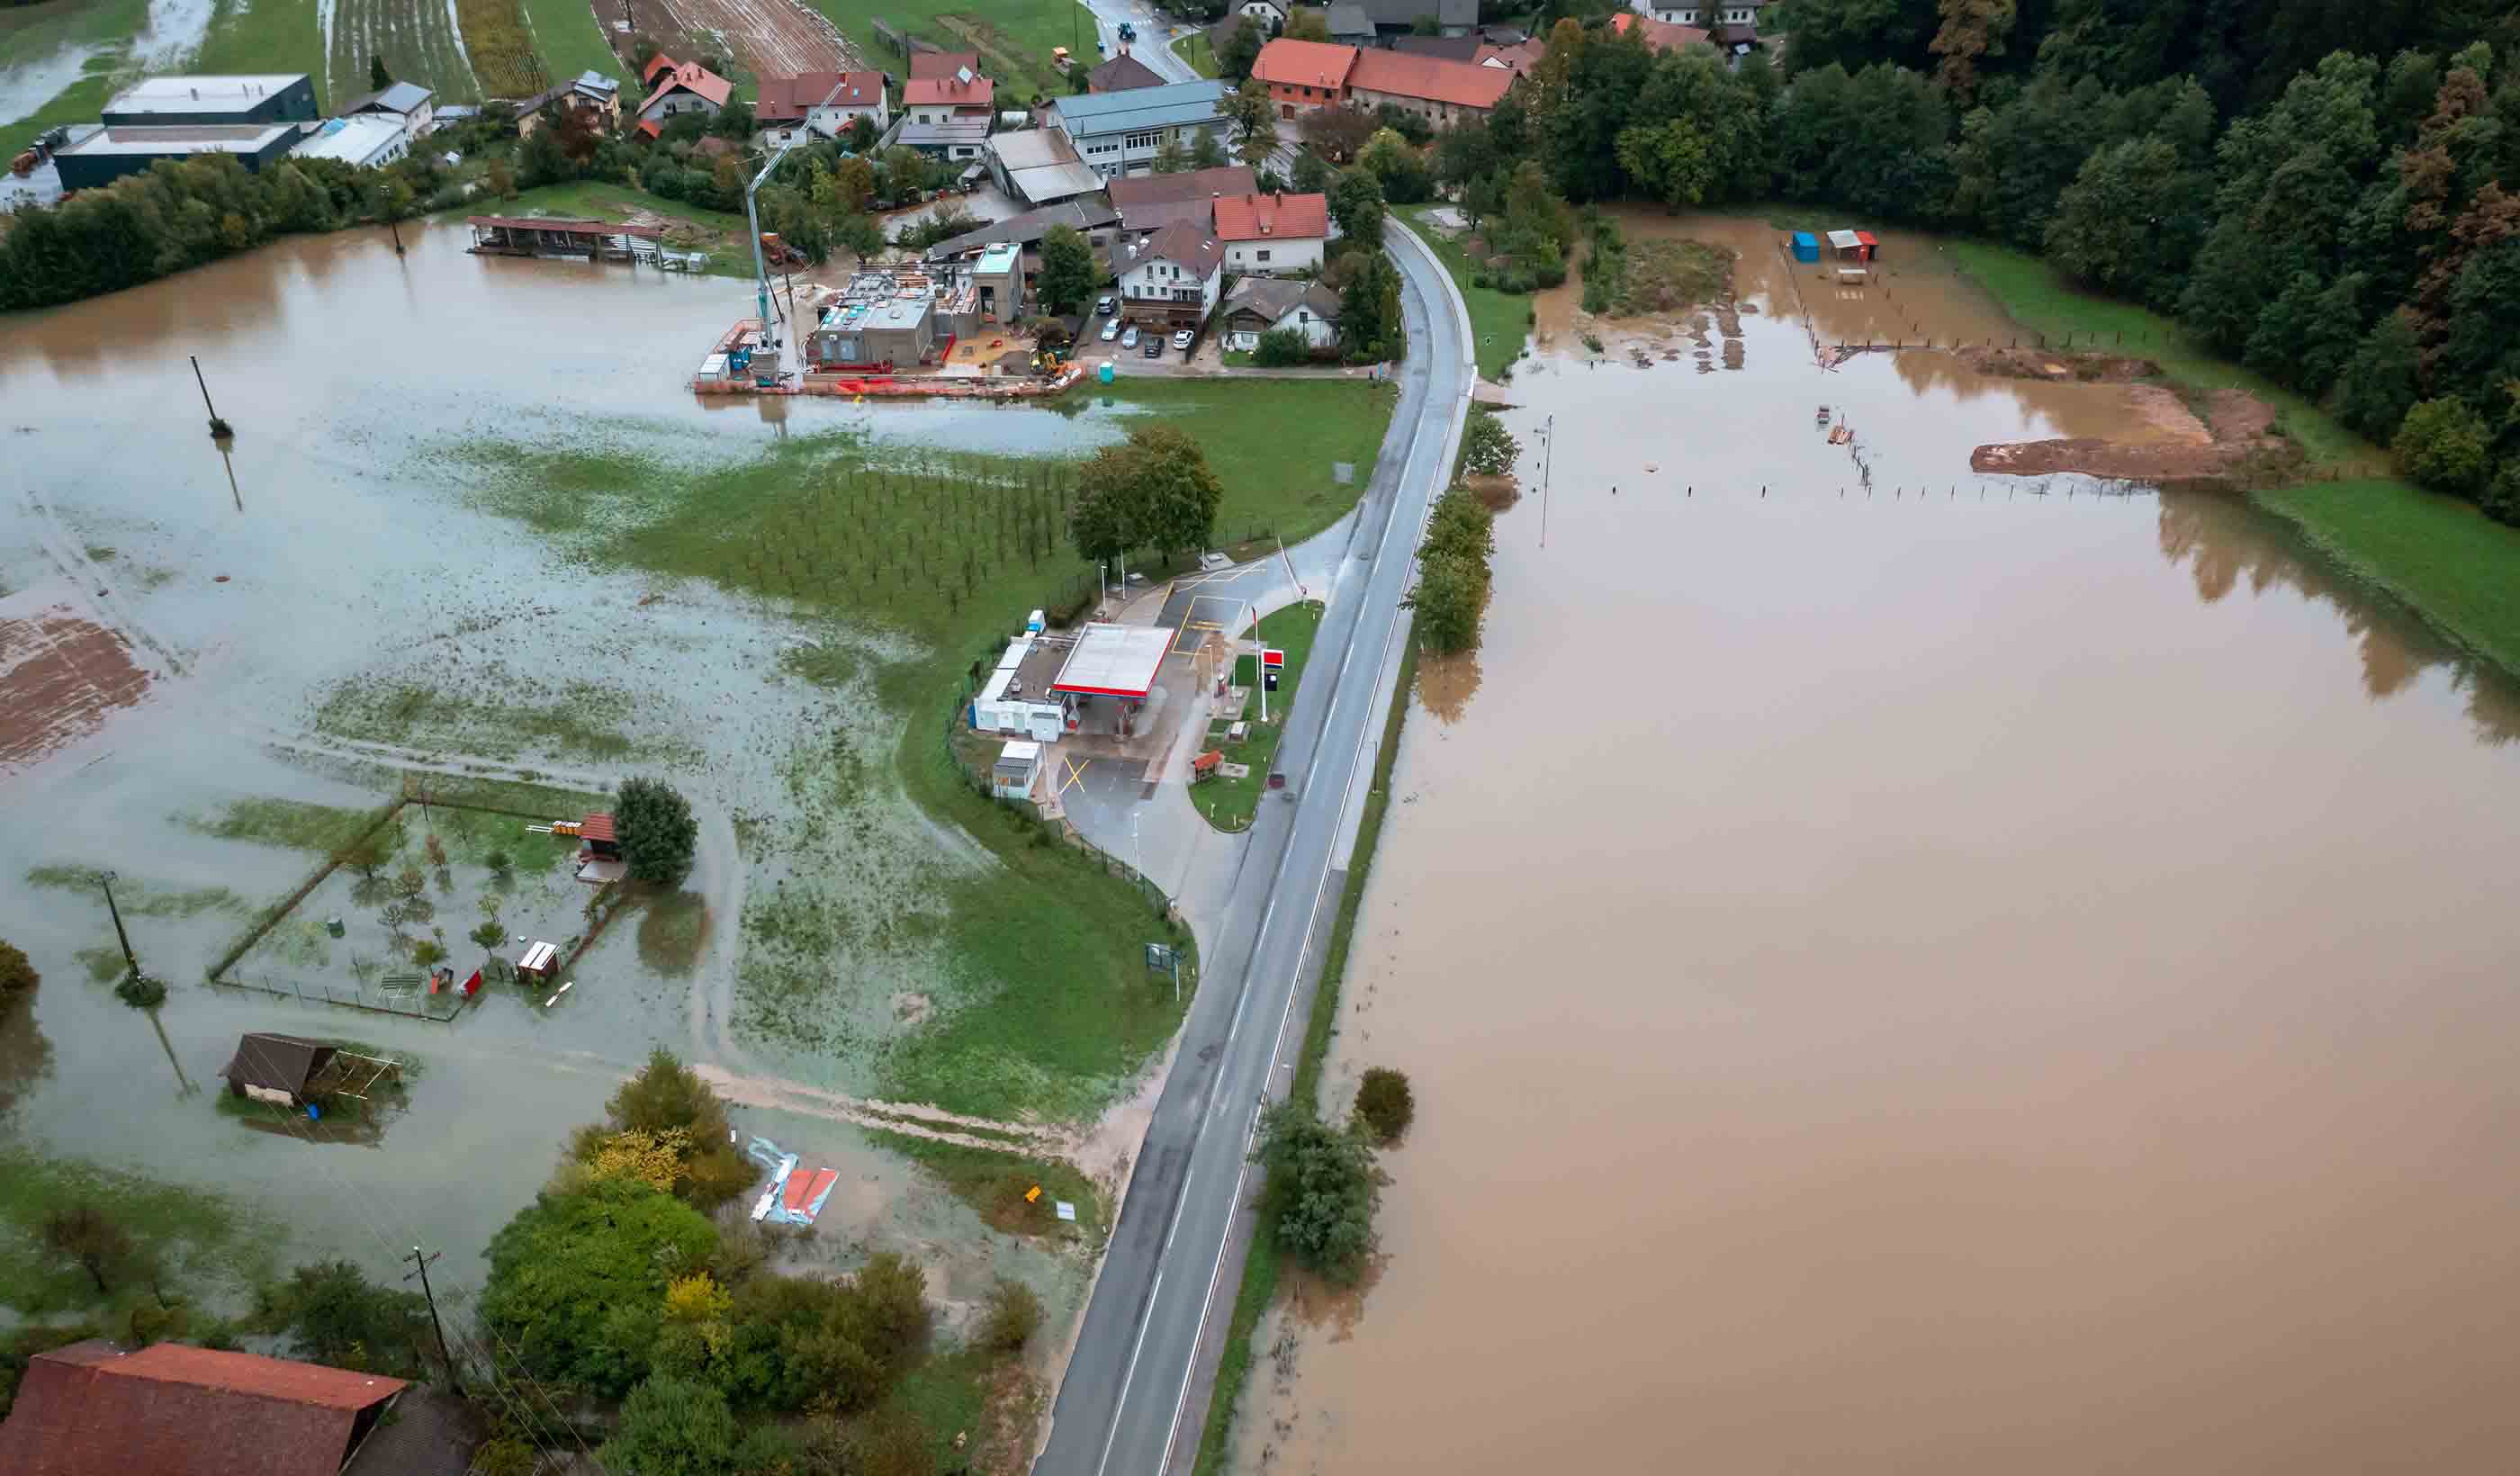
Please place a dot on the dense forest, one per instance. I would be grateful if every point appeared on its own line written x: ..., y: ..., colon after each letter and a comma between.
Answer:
x: 2317, y: 191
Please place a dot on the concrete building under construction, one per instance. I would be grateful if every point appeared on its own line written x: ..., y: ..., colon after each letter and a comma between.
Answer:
x: 888, y: 320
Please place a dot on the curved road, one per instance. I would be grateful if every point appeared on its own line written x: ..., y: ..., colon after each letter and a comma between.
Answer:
x: 1136, y: 1392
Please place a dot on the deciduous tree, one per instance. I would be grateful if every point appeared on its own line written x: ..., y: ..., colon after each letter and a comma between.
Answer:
x: 1323, y: 1190
x: 1067, y: 279
x: 659, y: 836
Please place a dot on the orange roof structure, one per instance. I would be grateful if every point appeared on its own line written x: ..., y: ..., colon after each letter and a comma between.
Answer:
x: 1252, y: 217
x: 787, y: 100
x: 927, y: 66
x: 596, y: 826
x: 93, y: 1409
x: 949, y: 92
x: 691, y: 77
x: 1661, y: 35
x: 1433, y: 79
x: 1290, y: 62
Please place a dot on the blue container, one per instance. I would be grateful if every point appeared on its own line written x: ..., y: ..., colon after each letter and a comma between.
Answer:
x: 1106, y: 375
x: 1806, y: 246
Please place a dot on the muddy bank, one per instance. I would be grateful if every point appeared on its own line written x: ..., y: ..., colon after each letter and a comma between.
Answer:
x: 2236, y: 434
x: 2039, y: 364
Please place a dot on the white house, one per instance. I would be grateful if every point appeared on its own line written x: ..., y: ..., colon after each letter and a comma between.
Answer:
x: 1271, y: 235
x: 1263, y: 304
x: 1270, y: 14
x: 1705, y: 15
x: 412, y: 107
x: 680, y: 87
x: 1171, y: 276
x: 367, y: 140
x: 826, y: 103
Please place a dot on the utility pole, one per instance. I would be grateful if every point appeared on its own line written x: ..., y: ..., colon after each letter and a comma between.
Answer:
x: 421, y: 1261
x: 218, y: 427
x: 105, y: 880
x: 1548, y: 464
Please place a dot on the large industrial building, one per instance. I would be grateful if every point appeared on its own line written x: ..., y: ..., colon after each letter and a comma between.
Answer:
x: 255, y: 119
x: 276, y: 98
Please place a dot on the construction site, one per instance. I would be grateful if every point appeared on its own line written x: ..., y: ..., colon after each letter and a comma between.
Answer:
x: 910, y: 331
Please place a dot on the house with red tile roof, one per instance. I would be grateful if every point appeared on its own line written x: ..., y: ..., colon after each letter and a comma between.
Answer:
x: 1661, y: 35
x: 1171, y: 277
x: 1271, y: 235
x: 929, y: 65
x: 1302, y: 75
x: 1440, y: 90
x: 962, y: 93
x: 679, y: 87
x: 169, y: 1409
x: 823, y: 102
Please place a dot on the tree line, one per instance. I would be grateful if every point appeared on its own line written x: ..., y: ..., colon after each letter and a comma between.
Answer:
x: 2341, y: 220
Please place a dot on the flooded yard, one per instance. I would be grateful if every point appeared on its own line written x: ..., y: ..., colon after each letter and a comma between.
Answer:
x: 1912, y: 971
x: 404, y: 578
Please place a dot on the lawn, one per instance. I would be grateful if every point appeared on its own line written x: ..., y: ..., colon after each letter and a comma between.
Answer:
x: 1228, y: 803
x: 2448, y: 561
x: 275, y: 36
x: 1499, y: 321
x: 1194, y: 50
x: 35, y: 33
x: 1248, y: 429
x: 1013, y: 37
x: 570, y: 40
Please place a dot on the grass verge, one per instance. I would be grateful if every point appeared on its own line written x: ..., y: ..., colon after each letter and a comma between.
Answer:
x: 995, y: 1184
x: 1194, y: 50
x: 1228, y: 803
x: 2454, y: 567
x: 1261, y: 1266
x: 1499, y: 321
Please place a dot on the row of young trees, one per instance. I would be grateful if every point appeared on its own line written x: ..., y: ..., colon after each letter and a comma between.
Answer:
x: 2349, y: 229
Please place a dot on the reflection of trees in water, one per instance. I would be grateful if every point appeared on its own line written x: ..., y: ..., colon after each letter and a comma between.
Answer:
x: 25, y: 1057
x: 1446, y: 684
x: 2223, y: 540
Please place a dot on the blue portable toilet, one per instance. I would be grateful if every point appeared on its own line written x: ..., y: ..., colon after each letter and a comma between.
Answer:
x: 1106, y: 375
x: 1806, y: 246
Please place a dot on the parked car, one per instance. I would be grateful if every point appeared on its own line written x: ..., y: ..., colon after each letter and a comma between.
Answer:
x: 1182, y: 340
x: 1129, y: 339
x: 1154, y: 345
x: 1111, y: 329
x: 1108, y: 306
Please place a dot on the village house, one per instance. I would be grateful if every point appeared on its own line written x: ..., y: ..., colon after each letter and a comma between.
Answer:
x: 961, y: 94
x: 1378, y: 22
x: 1661, y: 35
x: 1265, y: 304
x: 1122, y: 73
x: 411, y: 106
x: 1172, y: 276
x: 1120, y: 133
x: 679, y: 87
x: 1731, y: 26
x: 824, y: 102
x: 1269, y: 15
x: 1302, y: 75
x: 933, y: 66
x: 1151, y: 201
x: 948, y: 116
x: 1442, y: 93
x: 592, y: 97
x: 1271, y: 235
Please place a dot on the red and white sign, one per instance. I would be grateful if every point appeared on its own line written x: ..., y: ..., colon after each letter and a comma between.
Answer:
x: 1270, y: 656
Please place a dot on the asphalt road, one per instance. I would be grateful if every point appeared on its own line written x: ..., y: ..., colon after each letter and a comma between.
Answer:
x: 1156, y: 32
x: 1131, y: 1402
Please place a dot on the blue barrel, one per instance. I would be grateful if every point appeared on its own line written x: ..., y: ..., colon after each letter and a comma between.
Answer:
x: 1806, y: 246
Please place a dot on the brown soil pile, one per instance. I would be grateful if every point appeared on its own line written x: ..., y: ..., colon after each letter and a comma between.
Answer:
x: 2040, y: 364
x: 2240, y: 435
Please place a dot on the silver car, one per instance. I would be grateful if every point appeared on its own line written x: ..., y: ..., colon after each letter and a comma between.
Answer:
x: 1129, y: 339
x: 1111, y: 329
x: 1182, y: 340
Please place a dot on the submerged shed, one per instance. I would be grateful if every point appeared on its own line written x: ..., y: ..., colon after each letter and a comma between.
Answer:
x: 276, y: 1068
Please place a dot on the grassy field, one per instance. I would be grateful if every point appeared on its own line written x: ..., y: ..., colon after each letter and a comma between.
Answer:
x: 1260, y: 1269
x: 204, y: 1244
x: 995, y: 1184
x: 276, y: 35
x: 1194, y: 50
x: 1248, y: 427
x: 1228, y: 803
x: 1500, y: 321
x: 33, y: 33
x: 570, y: 40
x: 2449, y: 562
x: 1013, y: 37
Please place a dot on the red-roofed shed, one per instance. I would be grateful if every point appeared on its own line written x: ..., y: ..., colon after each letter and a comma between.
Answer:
x: 93, y: 1409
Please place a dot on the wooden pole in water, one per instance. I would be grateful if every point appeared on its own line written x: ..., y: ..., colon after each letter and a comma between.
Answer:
x: 217, y: 426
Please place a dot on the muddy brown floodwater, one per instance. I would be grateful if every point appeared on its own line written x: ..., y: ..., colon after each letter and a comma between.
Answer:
x: 1982, y: 976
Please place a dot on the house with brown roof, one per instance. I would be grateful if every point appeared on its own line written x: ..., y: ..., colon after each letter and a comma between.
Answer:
x: 1151, y: 202
x: 1171, y: 277
x: 679, y: 87
x: 1302, y: 75
x: 1121, y: 73
x: 1264, y: 304
x: 1441, y: 92
x: 93, y: 1409
x: 826, y: 102
x: 1271, y: 235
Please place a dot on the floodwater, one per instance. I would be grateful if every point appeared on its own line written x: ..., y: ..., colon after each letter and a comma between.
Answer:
x: 1954, y: 978
x: 337, y: 549
x: 174, y: 27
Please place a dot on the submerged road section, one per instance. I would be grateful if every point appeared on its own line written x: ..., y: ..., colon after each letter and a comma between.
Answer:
x: 1136, y: 1391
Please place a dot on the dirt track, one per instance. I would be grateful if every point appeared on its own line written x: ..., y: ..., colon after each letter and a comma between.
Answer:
x: 769, y: 37
x: 60, y: 676
x: 2239, y: 431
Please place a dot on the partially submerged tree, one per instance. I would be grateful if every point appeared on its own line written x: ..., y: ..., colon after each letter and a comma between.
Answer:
x: 1013, y: 1316
x: 668, y: 1102
x: 658, y: 835
x: 1323, y: 1190
x: 331, y: 1314
x: 16, y: 972
x: 85, y: 1234
x: 1384, y: 1105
